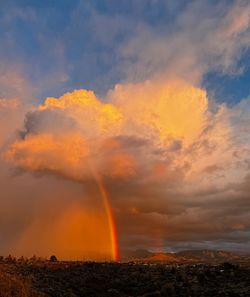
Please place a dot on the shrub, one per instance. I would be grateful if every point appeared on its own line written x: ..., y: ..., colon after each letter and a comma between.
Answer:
x: 53, y: 259
x: 11, y: 286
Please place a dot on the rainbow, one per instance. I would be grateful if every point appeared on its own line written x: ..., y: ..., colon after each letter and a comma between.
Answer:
x: 109, y: 213
x: 111, y: 221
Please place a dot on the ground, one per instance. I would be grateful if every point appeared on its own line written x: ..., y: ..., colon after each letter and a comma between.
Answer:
x: 71, y: 279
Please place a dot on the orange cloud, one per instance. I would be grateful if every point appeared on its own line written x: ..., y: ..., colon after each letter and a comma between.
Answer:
x: 48, y: 152
x: 155, y: 145
x: 169, y: 109
x: 89, y: 112
x: 8, y: 103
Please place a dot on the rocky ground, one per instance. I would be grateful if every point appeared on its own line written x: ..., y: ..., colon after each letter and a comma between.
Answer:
x: 73, y: 279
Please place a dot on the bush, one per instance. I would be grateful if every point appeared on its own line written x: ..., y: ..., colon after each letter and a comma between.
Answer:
x: 53, y: 259
x: 11, y: 286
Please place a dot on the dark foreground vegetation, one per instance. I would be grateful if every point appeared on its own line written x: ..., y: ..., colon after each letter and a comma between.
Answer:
x: 70, y: 279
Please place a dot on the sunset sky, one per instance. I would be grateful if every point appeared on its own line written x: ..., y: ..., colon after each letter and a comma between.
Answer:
x: 124, y: 125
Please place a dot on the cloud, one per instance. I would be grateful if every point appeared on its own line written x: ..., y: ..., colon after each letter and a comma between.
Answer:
x: 169, y: 162
x: 81, y: 121
x: 203, y: 37
x: 15, y: 99
x: 175, y: 164
x: 163, y: 107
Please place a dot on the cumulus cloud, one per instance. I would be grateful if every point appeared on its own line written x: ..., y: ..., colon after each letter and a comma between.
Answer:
x: 169, y: 165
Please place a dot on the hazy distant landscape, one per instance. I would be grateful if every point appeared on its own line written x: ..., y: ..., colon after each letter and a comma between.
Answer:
x: 189, y: 257
x: 187, y: 273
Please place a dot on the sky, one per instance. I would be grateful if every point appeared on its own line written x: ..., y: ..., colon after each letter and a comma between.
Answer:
x: 124, y: 125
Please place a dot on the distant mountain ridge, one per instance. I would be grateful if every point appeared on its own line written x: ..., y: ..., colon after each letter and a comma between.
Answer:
x: 188, y: 256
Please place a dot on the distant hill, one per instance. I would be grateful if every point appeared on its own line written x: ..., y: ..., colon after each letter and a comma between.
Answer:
x: 187, y: 256
x: 164, y: 257
x: 208, y: 254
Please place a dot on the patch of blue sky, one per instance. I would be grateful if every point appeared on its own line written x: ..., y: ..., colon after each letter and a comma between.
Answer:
x: 230, y: 88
